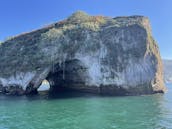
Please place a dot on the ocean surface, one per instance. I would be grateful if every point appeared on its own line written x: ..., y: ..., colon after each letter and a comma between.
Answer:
x: 87, y: 112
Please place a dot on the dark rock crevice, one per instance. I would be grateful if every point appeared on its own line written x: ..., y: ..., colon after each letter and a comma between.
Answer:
x: 68, y: 74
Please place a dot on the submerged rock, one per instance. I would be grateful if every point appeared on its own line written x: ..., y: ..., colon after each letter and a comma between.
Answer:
x: 111, y: 56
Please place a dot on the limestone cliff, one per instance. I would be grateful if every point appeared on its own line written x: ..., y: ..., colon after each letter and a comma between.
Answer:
x: 112, y: 56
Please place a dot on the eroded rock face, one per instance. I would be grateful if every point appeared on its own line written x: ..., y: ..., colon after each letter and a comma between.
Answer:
x: 111, y: 56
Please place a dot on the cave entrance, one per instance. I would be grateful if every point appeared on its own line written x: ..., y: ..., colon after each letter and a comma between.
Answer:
x: 44, y: 87
x: 68, y: 77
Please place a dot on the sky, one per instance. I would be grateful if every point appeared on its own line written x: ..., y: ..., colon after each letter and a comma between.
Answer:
x: 18, y: 16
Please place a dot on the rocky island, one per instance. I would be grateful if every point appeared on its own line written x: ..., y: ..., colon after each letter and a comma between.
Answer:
x: 95, y: 54
x: 167, y: 70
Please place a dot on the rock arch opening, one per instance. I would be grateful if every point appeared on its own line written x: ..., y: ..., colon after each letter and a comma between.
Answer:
x: 45, y: 86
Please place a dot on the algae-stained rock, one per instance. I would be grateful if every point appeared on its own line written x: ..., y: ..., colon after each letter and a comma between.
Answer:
x: 111, y: 56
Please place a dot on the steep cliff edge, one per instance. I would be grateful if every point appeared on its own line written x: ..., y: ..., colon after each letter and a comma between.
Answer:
x: 111, y: 56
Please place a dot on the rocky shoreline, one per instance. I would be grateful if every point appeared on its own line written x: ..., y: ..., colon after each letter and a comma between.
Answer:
x: 109, y: 90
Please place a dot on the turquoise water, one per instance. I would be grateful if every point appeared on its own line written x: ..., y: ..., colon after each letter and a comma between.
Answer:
x: 133, y: 112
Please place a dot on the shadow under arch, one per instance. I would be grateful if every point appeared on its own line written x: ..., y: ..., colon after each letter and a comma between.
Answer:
x: 68, y: 78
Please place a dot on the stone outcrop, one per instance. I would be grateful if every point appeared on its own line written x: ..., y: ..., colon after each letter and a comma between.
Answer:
x: 111, y: 56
